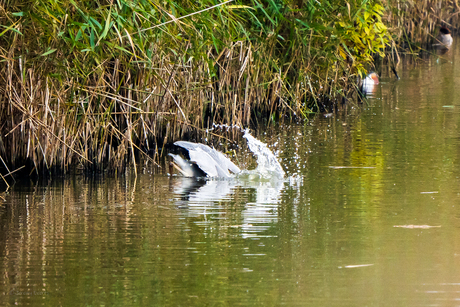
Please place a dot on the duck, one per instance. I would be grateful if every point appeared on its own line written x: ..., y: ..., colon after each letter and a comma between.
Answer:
x: 371, y: 79
x: 203, y: 161
x: 445, y: 38
x: 368, y: 84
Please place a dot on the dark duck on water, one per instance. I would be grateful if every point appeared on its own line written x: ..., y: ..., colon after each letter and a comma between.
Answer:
x: 445, y: 38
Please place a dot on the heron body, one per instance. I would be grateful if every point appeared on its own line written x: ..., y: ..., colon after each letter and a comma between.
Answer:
x: 204, y: 161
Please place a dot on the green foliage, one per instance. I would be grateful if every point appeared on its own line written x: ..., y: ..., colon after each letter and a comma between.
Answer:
x: 363, y: 35
x: 110, y: 77
x: 318, y: 47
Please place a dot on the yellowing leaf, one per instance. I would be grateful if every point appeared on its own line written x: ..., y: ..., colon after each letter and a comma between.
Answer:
x: 366, y: 29
x: 240, y: 7
x: 342, y: 53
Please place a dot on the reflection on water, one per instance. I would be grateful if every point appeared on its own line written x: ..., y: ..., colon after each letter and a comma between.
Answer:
x: 368, y: 214
x: 205, y: 197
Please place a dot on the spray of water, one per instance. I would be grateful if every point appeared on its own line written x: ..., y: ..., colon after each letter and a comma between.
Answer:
x: 267, y: 164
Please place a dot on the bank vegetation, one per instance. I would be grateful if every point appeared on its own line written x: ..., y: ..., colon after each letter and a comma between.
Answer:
x: 99, y: 84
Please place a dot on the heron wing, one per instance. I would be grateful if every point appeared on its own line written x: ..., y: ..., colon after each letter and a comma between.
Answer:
x: 227, y: 163
x: 220, y: 163
x: 207, y: 163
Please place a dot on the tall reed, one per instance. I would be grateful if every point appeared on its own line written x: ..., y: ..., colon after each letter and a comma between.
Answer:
x: 415, y: 24
x: 98, y: 83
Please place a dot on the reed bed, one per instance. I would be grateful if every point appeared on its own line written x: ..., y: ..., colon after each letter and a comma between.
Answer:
x: 96, y: 85
x: 415, y: 24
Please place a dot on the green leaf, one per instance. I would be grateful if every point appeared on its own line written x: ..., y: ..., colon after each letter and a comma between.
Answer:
x: 108, y: 24
x: 92, y: 39
x: 124, y: 50
x: 78, y: 36
x: 10, y: 28
x: 48, y: 52
x: 94, y: 21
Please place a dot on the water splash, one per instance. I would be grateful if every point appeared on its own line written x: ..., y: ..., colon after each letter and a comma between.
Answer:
x: 267, y: 164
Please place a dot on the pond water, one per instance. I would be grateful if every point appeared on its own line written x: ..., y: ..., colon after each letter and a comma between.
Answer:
x: 368, y: 215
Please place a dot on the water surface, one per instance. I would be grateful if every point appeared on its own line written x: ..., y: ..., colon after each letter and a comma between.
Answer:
x: 369, y: 215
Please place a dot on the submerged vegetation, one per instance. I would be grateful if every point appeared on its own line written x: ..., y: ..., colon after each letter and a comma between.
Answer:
x: 95, y: 84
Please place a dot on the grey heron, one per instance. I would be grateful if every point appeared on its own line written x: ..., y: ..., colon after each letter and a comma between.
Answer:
x: 204, y: 161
